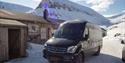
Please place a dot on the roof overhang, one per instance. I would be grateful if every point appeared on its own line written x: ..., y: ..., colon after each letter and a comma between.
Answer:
x: 6, y: 22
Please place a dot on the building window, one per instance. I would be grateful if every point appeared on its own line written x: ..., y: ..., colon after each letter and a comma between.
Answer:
x: 33, y: 28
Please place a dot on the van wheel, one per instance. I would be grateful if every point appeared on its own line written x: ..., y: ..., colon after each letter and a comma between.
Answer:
x: 123, y: 59
x: 54, y: 62
x: 79, y: 59
x: 51, y: 62
x: 98, y: 51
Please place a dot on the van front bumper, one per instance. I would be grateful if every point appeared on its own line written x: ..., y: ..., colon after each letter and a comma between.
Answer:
x: 59, y: 56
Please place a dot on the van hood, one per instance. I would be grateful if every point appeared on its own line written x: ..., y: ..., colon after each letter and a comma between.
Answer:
x: 61, y: 42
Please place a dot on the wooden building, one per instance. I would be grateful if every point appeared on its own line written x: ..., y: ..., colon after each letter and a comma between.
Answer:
x: 12, y: 39
x: 38, y: 28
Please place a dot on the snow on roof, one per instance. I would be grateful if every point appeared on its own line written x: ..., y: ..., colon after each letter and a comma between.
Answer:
x: 11, y: 22
x: 7, y: 14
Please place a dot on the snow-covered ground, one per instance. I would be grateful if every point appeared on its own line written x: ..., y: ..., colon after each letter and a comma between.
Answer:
x: 110, y: 53
x: 116, y: 28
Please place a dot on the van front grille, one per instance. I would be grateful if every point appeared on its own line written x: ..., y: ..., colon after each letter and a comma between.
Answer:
x: 56, y: 49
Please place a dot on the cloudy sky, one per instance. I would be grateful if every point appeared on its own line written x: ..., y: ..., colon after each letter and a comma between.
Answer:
x: 104, y: 7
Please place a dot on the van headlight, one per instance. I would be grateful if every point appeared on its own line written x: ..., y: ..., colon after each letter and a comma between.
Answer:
x: 71, y: 49
x: 45, y: 45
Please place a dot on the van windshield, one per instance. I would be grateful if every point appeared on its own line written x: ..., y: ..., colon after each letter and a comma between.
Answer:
x: 71, y: 31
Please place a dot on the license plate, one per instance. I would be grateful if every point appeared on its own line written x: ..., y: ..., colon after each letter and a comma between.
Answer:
x: 54, y: 58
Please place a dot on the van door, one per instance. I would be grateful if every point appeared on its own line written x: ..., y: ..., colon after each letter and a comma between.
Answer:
x: 93, y: 35
x: 86, y: 43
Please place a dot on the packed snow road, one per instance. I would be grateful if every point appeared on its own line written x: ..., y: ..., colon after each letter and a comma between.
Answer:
x: 110, y: 53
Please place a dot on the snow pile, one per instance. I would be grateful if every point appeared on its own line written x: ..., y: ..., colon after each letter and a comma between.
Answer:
x: 116, y: 29
x: 112, y: 46
x: 72, y: 11
x: 110, y: 53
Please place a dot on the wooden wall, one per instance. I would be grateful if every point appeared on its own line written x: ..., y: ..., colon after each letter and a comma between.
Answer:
x: 4, y: 50
x: 43, y: 31
x: 3, y: 44
x: 23, y: 41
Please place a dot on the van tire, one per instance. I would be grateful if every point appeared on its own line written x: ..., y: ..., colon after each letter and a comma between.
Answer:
x: 98, y: 51
x: 123, y: 59
x: 79, y: 58
x: 53, y: 61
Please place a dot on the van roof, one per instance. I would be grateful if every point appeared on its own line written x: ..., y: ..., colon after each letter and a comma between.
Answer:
x: 76, y: 21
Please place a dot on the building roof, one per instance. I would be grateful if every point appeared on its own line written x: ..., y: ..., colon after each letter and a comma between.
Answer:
x: 6, y: 14
x: 6, y: 22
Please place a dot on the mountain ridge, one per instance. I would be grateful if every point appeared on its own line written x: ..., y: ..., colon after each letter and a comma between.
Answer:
x: 118, y: 18
x: 67, y: 10
x: 14, y: 7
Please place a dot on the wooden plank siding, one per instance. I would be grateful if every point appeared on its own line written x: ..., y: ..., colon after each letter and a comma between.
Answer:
x: 23, y: 41
x: 3, y: 44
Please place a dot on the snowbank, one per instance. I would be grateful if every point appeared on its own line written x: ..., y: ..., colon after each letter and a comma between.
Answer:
x: 117, y: 28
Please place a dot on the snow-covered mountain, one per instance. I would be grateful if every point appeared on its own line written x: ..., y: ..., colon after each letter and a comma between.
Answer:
x: 117, y: 18
x: 14, y: 7
x: 67, y: 10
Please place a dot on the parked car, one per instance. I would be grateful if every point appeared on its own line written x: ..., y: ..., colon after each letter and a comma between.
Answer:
x: 72, y: 41
x: 123, y: 54
x: 122, y: 38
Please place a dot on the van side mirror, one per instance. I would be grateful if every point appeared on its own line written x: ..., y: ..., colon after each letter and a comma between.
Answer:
x: 104, y: 34
x: 86, y: 37
x: 53, y: 32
